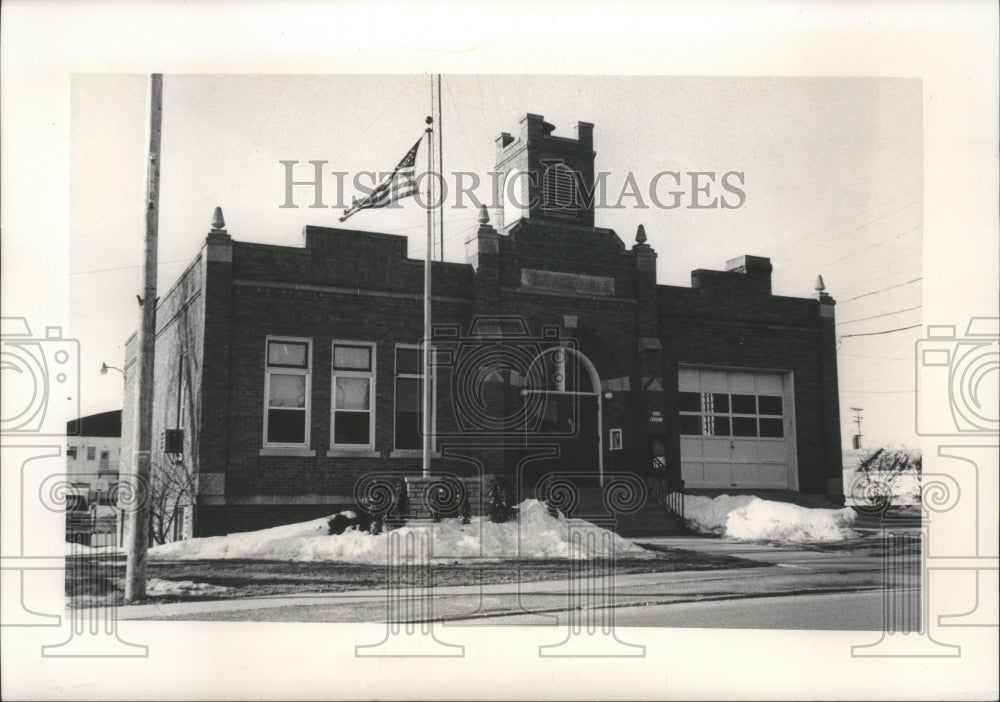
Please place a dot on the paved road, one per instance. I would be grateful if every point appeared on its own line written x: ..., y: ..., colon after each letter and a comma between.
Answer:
x: 804, y: 589
x: 860, y: 611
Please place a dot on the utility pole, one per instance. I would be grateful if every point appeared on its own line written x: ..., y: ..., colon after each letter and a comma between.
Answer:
x: 857, y: 420
x: 142, y: 428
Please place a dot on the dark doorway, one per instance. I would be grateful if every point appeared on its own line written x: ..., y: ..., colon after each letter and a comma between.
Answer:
x: 571, y: 422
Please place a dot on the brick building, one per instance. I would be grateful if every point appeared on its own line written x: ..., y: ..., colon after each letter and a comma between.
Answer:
x: 295, y: 371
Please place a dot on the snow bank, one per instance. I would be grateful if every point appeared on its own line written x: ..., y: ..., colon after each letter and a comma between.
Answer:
x: 753, y: 519
x: 81, y: 549
x: 536, y: 534
x: 155, y: 586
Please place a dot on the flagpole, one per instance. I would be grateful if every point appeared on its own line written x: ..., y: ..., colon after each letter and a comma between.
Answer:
x: 428, y: 255
x: 440, y: 164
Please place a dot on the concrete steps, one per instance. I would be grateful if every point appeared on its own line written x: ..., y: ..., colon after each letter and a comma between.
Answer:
x: 652, y: 519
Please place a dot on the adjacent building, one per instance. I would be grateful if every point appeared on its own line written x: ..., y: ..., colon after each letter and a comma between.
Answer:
x: 93, y: 453
x: 285, y: 375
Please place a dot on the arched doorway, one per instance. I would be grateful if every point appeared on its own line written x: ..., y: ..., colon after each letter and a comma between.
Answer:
x: 567, y: 403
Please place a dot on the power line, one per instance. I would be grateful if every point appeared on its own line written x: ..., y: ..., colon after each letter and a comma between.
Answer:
x: 877, y: 358
x: 876, y: 316
x: 887, y: 331
x: 122, y: 268
x: 879, y: 392
x: 875, y: 292
x: 841, y: 236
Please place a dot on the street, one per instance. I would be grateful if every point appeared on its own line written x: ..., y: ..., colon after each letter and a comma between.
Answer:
x: 860, y: 611
x: 799, y: 588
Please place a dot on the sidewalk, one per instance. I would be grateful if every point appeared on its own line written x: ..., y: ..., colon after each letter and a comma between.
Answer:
x: 795, y: 571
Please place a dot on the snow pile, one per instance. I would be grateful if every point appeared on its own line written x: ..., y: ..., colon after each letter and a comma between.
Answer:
x: 155, y: 586
x: 82, y: 549
x: 753, y: 519
x: 709, y: 514
x: 536, y: 534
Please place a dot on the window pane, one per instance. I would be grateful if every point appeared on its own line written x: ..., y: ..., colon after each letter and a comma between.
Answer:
x: 352, y: 357
x: 744, y: 426
x: 408, y: 413
x: 720, y: 402
x: 769, y: 404
x: 351, y: 428
x: 91, y: 453
x: 291, y: 354
x: 408, y: 431
x: 744, y: 404
x: 772, y: 428
x: 408, y: 394
x: 409, y: 361
x: 691, y: 425
x: 690, y: 402
x: 721, y: 426
x: 287, y: 390
x: 286, y: 426
x: 353, y: 393
x: 71, y: 452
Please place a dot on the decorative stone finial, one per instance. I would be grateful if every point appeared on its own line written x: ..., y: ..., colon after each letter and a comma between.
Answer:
x: 218, y: 223
x: 640, y: 235
x: 820, y: 287
x: 484, y: 215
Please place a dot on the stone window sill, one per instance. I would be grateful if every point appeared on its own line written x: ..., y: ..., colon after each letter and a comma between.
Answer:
x: 340, y: 452
x: 287, y: 451
x: 412, y: 453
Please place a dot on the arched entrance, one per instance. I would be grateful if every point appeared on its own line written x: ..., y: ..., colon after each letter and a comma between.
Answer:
x: 567, y: 401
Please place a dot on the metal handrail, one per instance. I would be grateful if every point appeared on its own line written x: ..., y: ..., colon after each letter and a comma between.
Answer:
x: 670, y: 493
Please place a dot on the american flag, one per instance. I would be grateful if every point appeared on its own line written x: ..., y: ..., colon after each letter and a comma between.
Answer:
x: 394, y: 187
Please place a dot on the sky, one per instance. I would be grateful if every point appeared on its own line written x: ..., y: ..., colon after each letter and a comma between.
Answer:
x: 831, y: 170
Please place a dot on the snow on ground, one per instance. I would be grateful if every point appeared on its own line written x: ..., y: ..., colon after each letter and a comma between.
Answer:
x: 753, y: 519
x: 535, y: 534
x: 155, y: 587
x: 80, y: 549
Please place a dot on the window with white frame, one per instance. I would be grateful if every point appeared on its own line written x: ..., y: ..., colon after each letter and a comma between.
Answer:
x: 723, y: 414
x: 286, y: 392
x: 409, y: 397
x: 353, y: 391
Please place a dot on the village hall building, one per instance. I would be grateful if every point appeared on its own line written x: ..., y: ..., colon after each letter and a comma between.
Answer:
x: 292, y: 372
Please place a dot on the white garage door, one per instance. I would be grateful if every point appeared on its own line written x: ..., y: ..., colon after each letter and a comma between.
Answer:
x: 737, y: 429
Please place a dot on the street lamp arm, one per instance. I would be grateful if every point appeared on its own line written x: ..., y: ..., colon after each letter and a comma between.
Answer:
x: 105, y: 368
